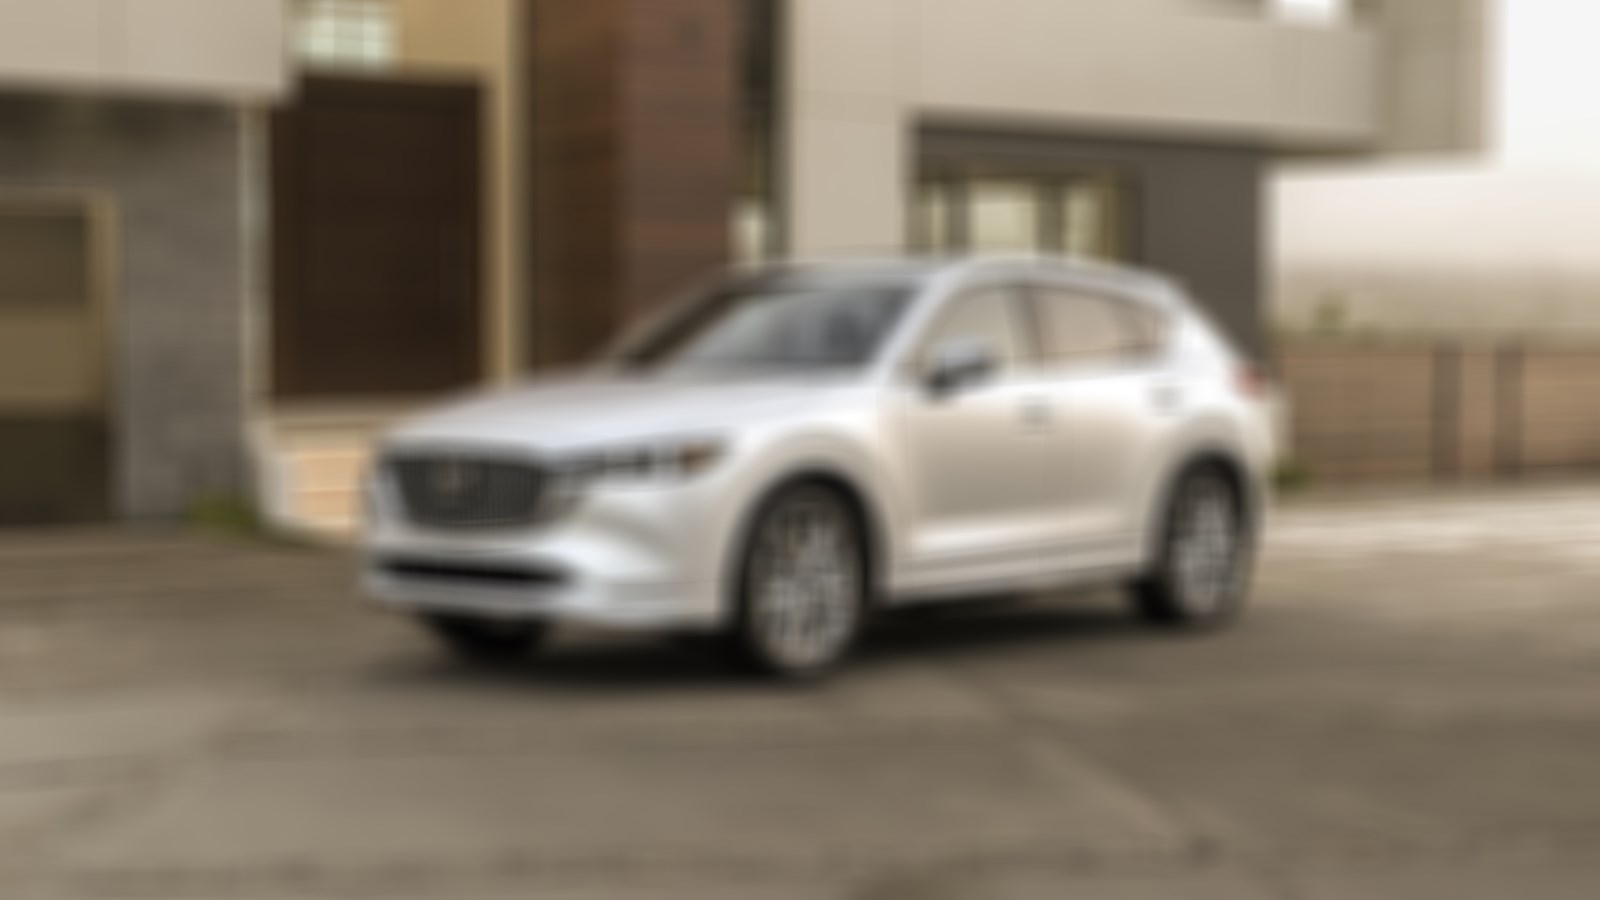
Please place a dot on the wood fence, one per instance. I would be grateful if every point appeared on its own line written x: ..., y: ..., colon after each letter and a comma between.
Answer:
x: 1368, y: 412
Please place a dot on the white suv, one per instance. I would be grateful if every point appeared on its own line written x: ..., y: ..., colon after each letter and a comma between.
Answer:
x: 799, y: 446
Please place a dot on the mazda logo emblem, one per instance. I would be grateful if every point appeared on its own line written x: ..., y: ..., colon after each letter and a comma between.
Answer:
x: 453, y: 481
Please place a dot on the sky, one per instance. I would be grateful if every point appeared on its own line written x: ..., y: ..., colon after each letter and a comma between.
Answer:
x: 1545, y: 83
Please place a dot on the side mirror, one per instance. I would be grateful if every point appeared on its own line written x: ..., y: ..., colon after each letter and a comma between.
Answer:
x: 959, y: 364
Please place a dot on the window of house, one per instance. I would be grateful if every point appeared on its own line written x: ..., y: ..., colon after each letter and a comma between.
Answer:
x: 758, y: 228
x: 1090, y: 219
x: 44, y: 261
x: 1083, y: 215
x: 1314, y: 12
x: 51, y: 283
x: 1004, y: 216
x: 752, y: 229
x: 347, y: 32
x: 755, y: 212
x: 934, y: 217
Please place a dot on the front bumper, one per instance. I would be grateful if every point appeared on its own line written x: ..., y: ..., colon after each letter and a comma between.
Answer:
x: 645, y: 558
x: 609, y: 605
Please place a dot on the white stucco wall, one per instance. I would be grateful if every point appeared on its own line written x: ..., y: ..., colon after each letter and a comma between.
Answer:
x: 222, y: 48
x: 864, y: 72
x: 1130, y: 69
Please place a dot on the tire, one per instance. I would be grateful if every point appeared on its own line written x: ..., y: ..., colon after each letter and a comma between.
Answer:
x: 485, y: 641
x: 1204, y: 555
x: 802, y: 584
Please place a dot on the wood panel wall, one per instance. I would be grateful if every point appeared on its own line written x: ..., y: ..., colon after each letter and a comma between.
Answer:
x: 633, y: 159
x: 1560, y: 408
x: 1448, y: 411
x: 1363, y: 414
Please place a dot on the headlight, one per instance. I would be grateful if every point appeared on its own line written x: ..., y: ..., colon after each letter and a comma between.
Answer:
x: 640, y: 464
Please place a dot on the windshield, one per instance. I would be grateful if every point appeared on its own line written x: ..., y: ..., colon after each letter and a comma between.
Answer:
x: 783, y: 321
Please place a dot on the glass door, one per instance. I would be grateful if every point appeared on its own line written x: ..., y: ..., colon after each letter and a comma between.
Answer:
x: 1005, y: 215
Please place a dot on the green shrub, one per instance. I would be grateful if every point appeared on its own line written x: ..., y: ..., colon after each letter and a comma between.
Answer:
x: 1291, y: 476
x: 226, y: 513
x: 234, y: 516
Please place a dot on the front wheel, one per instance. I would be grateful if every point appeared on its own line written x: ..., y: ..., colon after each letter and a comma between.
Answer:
x: 802, y: 584
x: 1204, y: 552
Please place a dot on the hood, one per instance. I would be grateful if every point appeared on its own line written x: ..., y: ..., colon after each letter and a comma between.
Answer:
x: 603, y: 408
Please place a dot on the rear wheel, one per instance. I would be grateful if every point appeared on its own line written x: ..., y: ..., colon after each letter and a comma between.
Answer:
x: 803, y: 584
x: 1201, y: 574
x: 486, y: 640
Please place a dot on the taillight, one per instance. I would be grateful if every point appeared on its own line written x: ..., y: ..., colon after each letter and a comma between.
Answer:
x: 1252, y: 382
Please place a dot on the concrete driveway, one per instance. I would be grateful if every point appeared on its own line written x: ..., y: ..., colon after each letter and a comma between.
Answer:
x: 1412, y: 711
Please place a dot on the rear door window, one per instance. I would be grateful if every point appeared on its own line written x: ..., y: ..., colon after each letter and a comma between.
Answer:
x: 1078, y: 328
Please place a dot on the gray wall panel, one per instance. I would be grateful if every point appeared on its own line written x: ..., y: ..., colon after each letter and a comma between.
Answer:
x: 1198, y: 208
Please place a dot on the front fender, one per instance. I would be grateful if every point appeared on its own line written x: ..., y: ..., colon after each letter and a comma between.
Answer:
x: 779, y: 461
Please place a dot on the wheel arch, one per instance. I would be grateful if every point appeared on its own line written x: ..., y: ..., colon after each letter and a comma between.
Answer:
x: 863, y: 505
x: 1232, y: 468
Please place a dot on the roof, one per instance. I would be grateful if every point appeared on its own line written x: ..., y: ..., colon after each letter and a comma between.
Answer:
x: 927, y: 267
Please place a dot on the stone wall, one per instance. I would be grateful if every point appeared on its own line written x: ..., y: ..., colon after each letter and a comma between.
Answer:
x: 174, y: 173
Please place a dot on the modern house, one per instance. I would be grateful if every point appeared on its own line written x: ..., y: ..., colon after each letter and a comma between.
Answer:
x: 254, y: 252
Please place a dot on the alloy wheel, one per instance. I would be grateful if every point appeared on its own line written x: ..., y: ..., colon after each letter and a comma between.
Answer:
x: 805, y: 583
x: 1206, y: 548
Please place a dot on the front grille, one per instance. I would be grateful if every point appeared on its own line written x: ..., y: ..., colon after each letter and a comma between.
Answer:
x: 467, y: 492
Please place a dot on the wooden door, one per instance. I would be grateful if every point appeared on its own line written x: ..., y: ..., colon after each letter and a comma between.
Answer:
x: 378, y: 239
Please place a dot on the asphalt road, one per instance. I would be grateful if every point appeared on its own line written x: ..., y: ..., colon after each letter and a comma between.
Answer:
x: 1411, y: 711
